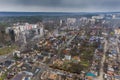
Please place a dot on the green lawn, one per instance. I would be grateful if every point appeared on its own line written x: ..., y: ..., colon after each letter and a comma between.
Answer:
x: 7, y: 50
x: 3, y: 76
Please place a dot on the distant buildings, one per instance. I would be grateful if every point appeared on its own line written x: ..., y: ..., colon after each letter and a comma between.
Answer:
x: 20, y: 29
x: 98, y: 17
x: 24, y: 27
x: 71, y: 21
x: 63, y: 22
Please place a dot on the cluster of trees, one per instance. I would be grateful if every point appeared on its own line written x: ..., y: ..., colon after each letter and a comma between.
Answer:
x: 14, y: 19
x: 4, y: 38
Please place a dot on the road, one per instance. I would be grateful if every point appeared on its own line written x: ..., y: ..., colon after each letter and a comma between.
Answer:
x: 103, y: 60
x: 71, y: 40
x: 65, y: 44
x: 107, y: 46
x: 118, y: 50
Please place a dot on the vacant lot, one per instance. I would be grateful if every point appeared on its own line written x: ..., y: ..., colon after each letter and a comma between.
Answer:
x: 7, y: 50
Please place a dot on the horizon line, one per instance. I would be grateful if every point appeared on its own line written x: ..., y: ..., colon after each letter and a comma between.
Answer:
x: 62, y: 11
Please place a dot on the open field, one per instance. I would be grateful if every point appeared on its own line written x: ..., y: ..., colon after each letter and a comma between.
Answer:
x: 7, y: 49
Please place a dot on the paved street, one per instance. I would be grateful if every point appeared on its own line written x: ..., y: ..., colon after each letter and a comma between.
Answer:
x: 102, y: 61
x: 107, y: 46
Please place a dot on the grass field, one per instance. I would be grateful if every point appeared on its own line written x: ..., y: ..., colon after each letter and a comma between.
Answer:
x: 7, y: 50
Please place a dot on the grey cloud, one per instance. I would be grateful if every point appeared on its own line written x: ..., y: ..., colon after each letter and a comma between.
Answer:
x: 39, y: 2
x: 77, y: 4
x: 63, y: 5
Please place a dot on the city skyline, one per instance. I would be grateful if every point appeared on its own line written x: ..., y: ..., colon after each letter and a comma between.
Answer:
x: 60, y: 5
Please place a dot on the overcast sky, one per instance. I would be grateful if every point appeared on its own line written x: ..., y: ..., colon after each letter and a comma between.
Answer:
x: 60, y: 5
